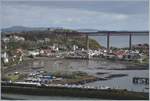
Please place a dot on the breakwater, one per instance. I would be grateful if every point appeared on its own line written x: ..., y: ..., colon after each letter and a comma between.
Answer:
x: 74, y: 92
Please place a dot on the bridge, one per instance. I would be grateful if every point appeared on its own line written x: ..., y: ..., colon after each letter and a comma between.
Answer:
x: 114, y: 33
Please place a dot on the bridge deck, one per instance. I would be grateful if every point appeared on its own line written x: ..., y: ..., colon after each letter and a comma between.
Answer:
x: 117, y: 33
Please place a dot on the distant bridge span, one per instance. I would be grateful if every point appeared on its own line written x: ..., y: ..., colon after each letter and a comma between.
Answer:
x: 114, y: 33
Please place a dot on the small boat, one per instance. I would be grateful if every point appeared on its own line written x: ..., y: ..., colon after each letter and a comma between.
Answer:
x: 146, y: 87
x: 36, y: 67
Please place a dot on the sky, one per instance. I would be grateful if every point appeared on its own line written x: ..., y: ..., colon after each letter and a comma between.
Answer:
x: 101, y: 15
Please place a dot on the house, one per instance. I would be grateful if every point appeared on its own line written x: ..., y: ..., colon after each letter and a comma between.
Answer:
x: 45, y: 52
x: 20, y: 54
x: 103, y: 52
x: 17, y: 38
x: 96, y: 53
x: 132, y: 56
x: 46, y: 39
x: 120, y: 54
x: 111, y: 56
x: 40, y: 41
x: 4, y: 57
x: 60, y: 47
x: 75, y: 47
x: 13, y: 37
x: 5, y: 39
x: 33, y: 52
x: 19, y: 51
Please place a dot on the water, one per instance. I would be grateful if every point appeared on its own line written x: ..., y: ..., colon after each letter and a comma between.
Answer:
x: 91, y: 67
x: 121, y: 41
x: 124, y: 82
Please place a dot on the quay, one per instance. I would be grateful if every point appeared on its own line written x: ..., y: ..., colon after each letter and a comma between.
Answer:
x: 114, y: 94
x: 76, y: 57
x: 140, y: 80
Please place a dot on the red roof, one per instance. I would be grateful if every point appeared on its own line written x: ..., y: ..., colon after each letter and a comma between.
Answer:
x: 120, y: 52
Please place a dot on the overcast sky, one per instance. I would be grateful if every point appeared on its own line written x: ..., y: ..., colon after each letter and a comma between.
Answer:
x: 102, y: 15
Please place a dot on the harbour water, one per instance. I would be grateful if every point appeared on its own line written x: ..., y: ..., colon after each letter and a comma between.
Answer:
x: 126, y: 81
x: 92, y: 67
x: 121, y: 41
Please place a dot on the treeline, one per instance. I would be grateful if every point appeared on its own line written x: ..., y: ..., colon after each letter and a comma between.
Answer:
x: 62, y: 37
x: 36, y: 35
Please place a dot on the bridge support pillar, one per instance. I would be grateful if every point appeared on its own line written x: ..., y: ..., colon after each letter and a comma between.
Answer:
x: 87, y: 42
x: 108, y: 47
x: 130, y: 42
x: 87, y: 45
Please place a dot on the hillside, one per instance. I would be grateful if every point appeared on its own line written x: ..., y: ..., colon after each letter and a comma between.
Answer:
x: 63, y: 37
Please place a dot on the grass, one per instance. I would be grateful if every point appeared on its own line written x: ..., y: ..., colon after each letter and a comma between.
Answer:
x: 70, y: 75
x: 74, y: 77
x: 13, y: 77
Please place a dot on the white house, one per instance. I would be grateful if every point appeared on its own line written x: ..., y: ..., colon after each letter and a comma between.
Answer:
x: 75, y: 47
x: 33, y: 53
x: 6, y: 60
x: 133, y: 56
x: 5, y: 57
x: 18, y: 38
x: 6, y: 39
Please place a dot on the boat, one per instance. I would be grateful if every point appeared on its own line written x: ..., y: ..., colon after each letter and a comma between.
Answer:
x: 37, y: 67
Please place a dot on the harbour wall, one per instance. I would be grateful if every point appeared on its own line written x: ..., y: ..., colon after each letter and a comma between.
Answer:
x: 76, y: 92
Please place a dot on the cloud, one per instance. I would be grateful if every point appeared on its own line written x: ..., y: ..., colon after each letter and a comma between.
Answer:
x: 28, y: 15
x: 121, y: 17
